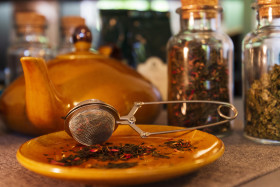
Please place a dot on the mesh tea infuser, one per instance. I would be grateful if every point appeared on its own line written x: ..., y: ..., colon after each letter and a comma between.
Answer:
x: 93, y: 121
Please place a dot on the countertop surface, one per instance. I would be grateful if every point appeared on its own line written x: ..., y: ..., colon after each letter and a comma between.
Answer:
x: 244, y: 163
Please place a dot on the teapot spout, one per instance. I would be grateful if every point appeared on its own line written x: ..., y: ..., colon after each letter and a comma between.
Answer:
x: 45, y: 106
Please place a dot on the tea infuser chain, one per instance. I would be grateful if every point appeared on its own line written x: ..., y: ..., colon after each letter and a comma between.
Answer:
x: 130, y: 118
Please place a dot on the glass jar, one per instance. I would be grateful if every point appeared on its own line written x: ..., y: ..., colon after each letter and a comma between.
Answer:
x: 199, y: 66
x: 29, y: 40
x: 261, y: 75
x: 68, y: 25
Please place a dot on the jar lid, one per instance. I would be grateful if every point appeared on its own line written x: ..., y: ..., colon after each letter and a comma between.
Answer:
x: 269, y: 8
x: 29, y: 18
x: 72, y: 21
x: 268, y: 2
x: 197, y: 5
x: 199, y: 2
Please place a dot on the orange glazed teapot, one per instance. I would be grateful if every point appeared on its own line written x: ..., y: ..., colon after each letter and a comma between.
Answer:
x: 37, y: 102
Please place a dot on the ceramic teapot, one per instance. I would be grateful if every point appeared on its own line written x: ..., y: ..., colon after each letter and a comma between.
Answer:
x: 36, y: 102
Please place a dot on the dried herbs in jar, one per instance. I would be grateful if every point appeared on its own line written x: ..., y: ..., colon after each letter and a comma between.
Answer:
x: 199, y: 68
x: 263, y: 106
x: 260, y: 70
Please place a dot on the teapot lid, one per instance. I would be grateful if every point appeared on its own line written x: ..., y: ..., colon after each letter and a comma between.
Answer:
x: 82, y: 39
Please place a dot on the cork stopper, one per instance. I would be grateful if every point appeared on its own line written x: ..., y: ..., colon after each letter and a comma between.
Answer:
x: 30, y: 18
x: 268, y: 8
x: 72, y: 21
x: 28, y: 22
x: 268, y: 2
x: 195, y: 6
x: 186, y: 3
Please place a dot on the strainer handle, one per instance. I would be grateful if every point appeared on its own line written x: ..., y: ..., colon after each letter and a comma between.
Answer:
x: 130, y: 118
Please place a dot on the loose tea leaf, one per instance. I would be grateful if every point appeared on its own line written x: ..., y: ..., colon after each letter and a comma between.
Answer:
x: 202, y: 74
x: 262, y: 109
x: 180, y: 145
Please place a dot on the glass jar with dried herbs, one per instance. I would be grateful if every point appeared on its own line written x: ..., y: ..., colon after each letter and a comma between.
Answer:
x: 199, y: 66
x: 29, y: 39
x: 261, y: 75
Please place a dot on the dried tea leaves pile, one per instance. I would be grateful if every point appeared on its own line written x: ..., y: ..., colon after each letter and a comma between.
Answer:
x: 110, y: 153
x: 263, y: 106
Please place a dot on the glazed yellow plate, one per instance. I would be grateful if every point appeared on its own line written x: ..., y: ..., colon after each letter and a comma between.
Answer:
x: 34, y: 154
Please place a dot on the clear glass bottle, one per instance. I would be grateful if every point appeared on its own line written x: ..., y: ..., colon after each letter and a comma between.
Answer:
x: 68, y: 25
x: 30, y: 40
x: 261, y: 75
x: 199, y: 66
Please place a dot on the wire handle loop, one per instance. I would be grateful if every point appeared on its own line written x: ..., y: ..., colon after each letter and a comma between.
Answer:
x: 130, y: 118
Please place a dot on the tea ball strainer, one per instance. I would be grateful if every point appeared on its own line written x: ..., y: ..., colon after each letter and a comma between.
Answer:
x: 93, y: 121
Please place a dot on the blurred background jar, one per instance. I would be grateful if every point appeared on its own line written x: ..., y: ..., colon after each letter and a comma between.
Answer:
x: 199, y: 66
x: 68, y: 25
x: 261, y: 75
x: 29, y: 40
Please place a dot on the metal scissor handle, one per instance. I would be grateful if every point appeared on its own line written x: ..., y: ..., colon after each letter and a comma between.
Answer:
x: 130, y: 118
